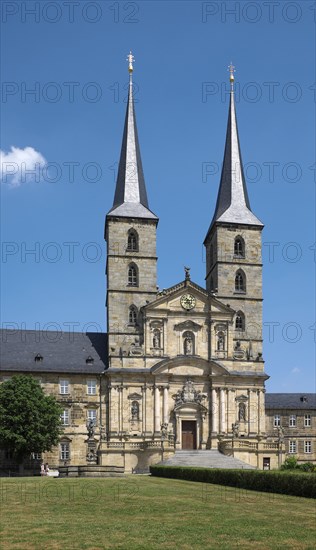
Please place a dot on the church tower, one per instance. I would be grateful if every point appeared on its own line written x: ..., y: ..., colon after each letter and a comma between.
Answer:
x: 233, y: 247
x: 130, y: 233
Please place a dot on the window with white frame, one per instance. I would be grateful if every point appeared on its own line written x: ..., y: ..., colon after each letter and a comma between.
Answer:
x: 292, y: 422
x: 277, y: 421
x: 292, y: 446
x: 63, y: 386
x: 91, y: 387
x: 307, y: 446
x: 64, y: 450
x: 307, y: 420
x: 92, y: 416
x: 65, y: 417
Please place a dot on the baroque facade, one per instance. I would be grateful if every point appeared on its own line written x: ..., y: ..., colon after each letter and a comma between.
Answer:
x: 180, y: 368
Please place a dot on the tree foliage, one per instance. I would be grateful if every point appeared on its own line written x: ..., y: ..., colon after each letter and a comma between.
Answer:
x: 29, y: 419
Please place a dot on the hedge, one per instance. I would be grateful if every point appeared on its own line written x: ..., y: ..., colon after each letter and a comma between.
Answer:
x: 301, y: 485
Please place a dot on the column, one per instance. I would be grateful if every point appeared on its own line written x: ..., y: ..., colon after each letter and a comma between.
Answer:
x: 222, y: 405
x: 258, y: 412
x: 228, y: 411
x: 178, y: 426
x: 120, y: 412
x: 109, y: 415
x: 249, y: 413
x: 262, y: 412
x: 165, y: 405
x: 144, y: 388
x: 214, y: 411
x: 157, y: 409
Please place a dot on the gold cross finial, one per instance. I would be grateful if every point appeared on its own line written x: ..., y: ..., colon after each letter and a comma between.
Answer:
x: 130, y: 59
x: 232, y: 70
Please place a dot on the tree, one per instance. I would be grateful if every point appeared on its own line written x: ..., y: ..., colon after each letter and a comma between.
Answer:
x: 29, y: 420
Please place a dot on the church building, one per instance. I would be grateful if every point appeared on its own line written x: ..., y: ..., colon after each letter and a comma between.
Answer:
x: 179, y: 369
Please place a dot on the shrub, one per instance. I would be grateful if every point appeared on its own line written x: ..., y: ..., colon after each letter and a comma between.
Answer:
x: 307, y: 467
x: 296, y: 484
x: 290, y: 463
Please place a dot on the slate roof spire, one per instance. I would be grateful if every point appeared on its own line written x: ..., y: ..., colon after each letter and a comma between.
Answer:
x: 130, y: 198
x: 233, y: 204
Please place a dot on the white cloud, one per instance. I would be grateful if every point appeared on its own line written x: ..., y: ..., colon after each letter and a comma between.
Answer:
x: 21, y: 165
x: 295, y: 370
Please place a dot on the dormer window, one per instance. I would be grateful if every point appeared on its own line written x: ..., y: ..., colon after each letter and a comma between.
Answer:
x: 38, y: 358
x: 89, y: 360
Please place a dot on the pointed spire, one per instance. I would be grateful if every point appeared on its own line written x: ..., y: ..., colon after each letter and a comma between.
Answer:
x: 233, y: 204
x: 130, y: 198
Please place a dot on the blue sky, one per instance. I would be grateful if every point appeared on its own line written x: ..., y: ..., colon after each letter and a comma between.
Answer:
x: 73, y: 55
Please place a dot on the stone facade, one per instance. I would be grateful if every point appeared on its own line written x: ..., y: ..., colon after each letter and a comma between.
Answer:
x: 180, y: 368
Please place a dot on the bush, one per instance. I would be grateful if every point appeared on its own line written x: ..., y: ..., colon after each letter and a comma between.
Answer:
x: 296, y: 484
x: 290, y: 463
x: 307, y: 467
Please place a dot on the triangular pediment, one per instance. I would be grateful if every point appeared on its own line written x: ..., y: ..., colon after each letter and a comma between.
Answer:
x: 170, y: 300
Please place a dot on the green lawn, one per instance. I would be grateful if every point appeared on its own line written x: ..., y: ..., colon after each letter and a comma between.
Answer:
x: 141, y: 512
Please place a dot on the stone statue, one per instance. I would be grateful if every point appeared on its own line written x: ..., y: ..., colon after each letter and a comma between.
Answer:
x: 164, y: 429
x: 221, y: 342
x: 235, y: 428
x: 134, y: 410
x: 280, y: 433
x: 188, y: 347
x: 91, y: 428
x: 156, y: 339
x: 187, y: 273
x: 242, y: 412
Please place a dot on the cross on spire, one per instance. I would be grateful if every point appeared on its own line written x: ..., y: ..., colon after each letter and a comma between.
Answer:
x: 232, y: 70
x: 131, y: 59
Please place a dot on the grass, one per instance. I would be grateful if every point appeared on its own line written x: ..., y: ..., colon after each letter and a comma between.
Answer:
x: 142, y: 512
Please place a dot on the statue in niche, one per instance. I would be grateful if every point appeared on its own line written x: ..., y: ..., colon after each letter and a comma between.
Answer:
x: 220, y: 341
x: 242, y: 412
x: 188, y: 343
x: 135, y: 410
x: 157, y: 339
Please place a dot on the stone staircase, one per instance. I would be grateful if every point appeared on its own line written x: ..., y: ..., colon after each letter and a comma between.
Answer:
x: 206, y: 459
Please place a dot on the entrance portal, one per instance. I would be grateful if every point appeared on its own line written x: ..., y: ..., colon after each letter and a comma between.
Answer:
x: 188, y: 434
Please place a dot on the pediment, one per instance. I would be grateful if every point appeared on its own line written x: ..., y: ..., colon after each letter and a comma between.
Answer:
x: 169, y: 300
x: 242, y: 398
x: 188, y: 325
x: 134, y: 396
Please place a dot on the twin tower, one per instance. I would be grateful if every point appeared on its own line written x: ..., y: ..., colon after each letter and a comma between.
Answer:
x: 232, y: 242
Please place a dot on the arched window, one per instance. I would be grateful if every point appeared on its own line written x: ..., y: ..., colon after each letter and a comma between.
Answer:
x: 221, y: 341
x: 132, y: 240
x: 135, y: 410
x: 188, y: 343
x: 132, y: 315
x: 240, y: 321
x: 240, y: 282
x: 239, y: 247
x: 242, y: 412
x: 132, y: 275
x: 157, y: 338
